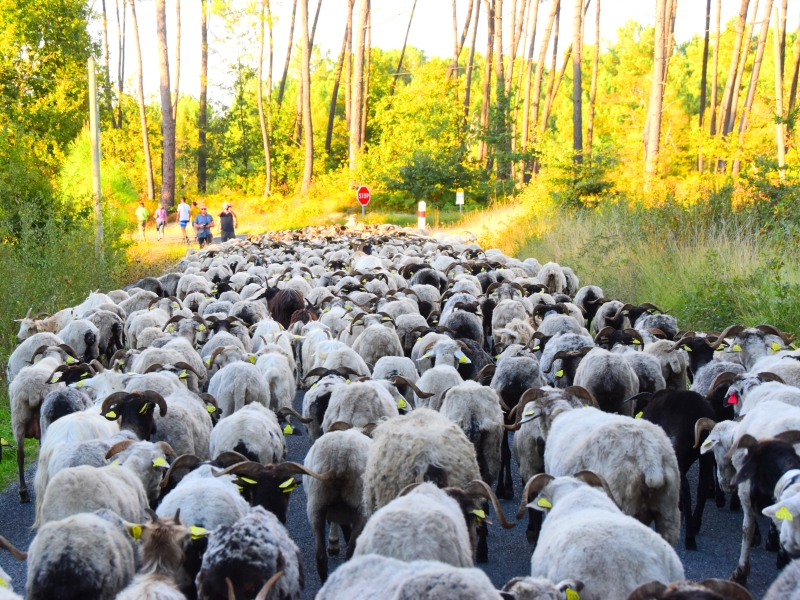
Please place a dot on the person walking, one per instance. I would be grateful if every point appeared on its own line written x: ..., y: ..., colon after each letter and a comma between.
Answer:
x: 161, y: 221
x: 227, y: 222
x: 183, y: 217
x: 202, y: 225
x: 142, y: 215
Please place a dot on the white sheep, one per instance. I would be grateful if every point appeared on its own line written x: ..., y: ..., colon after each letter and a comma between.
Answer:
x: 238, y: 384
x: 252, y: 431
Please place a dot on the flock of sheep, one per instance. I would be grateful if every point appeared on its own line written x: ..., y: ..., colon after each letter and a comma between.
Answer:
x: 162, y: 411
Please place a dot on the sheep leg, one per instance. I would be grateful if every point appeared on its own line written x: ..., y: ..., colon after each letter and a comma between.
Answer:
x: 350, y: 539
x: 482, y: 553
x: 703, y: 488
x: 783, y: 558
x: 719, y: 495
x: 505, y: 485
x: 333, y: 540
x: 748, y: 529
x: 773, y: 539
x: 318, y: 526
x: 686, y: 509
x: 534, y: 526
x: 23, y: 489
x: 736, y: 504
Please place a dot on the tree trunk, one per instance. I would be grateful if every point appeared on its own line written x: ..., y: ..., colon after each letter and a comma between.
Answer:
x: 142, y: 109
x: 593, y: 92
x: 501, y: 99
x: 704, y: 77
x: 367, y: 64
x: 298, y: 111
x: 715, y: 73
x: 795, y: 71
x: 737, y: 84
x: 551, y: 78
x: 106, y: 69
x: 725, y: 108
x: 556, y: 84
x: 470, y: 62
x: 517, y: 168
x: 120, y: 57
x: 288, y: 55
x: 357, y: 79
x: 577, y: 91
x: 537, y: 80
x: 526, y: 102
x: 260, y: 98
x: 403, y: 51
x: 167, y: 124
x: 202, y: 111
x: 305, y: 74
x: 483, y: 148
x: 656, y: 90
x: 453, y: 70
x: 516, y: 33
x: 336, y: 79
x: 779, y: 126
x: 177, y: 59
x: 784, y: 7
x: 751, y: 90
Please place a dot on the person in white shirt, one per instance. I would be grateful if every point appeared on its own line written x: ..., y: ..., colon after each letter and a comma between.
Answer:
x: 183, y: 217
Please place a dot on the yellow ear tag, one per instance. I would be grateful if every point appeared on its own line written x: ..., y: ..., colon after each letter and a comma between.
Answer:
x: 535, y: 348
x: 71, y: 360
x: 560, y: 373
x: 462, y: 360
x: 288, y: 429
x: 183, y: 375
x: 636, y: 342
x: 685, y: 347
x: 241, y: 489
x: 250, y: 481
x: 706, y: 443
x: 4, y: 442
x: 736, y: 348
x: 252, y: 359
x: 80, y: 383
x: 160, y: 462
x: 201, y: 327
x: 719, y: 349
x: 175, y: 305
x: 3, y: 583
x: 496, y: 356
x: 572, y: 594
x: 115, y: 463
x: 111, y: 415
x: 347, y: 381
x: 479, y: 513
x: 639, y: 415
x: 529, y: 413
x: 776, y: 346
x: 211, y: 409
x: 55, y: 377
x: 207, y: 361
x: 136, y: 532
x: 784, y: 515
x: 401, y: 403
x: 289, y: 485
x: 143, y: 410
x: 544, y: 503
x: 170, y: 329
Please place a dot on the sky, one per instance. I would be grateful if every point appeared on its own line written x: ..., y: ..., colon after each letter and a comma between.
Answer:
x: 431, y: 31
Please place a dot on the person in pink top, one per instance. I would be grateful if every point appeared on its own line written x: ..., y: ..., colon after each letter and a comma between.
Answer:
x: 161, y: 221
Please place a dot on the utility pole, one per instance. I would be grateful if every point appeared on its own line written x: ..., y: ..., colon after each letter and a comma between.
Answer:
x: 94, y: 134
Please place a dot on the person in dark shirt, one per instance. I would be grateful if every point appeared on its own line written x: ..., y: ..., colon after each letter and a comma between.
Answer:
x: 202, y: 225
x: 227, y: 222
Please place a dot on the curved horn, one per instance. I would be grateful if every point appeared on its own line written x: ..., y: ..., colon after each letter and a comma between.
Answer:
x: 119, y: 447
x: 647, y: 591
x: 9, y: 547
x: 634, y: 334
x: 403, y: 381
x: 292, y: 468
x: 262, y: 595
x: 534, y: 486
x: 703, y: 424
x: 622, y: 309
x: 184, y: 461
x: 152, y: 514
x: 288, y: 410
x: 406, y: 490
x: 594, y: 479
x: 58, y: 369
x: 228, y: 458
x: 582, y: 392
x: 174, y: 319
x: 604, y: 332
x: 154, y: 367
x: 478, y: 488
x: 746, y: 442
x: 791, y: 437
x: 339, y: 426
x: 214, y: 355
x: 680, y: 343
x: 157, y: 399
x: 728, y: 589
x: 186, y: 367
x: 724, y: 377
x: 767, y: 376
x: 732, y: 330
x: 786, y: 337
x: 486, y: 369
x: 111, y: 400
x: 38, y: 351
x: 69, y: 350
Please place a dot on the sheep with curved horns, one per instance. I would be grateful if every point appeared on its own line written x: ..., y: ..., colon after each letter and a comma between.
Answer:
x: 587, y: 536
x: 540, y: 588
x: 252, y: 431
x: 634, y: 456
x: 755, y: 344
x: 248, y: 554
x: 338, y: 500
x: 437, y: 380
x: 708, y: 589
x: 358, y: 405
x: 25, y: 354
x: 318, y: 397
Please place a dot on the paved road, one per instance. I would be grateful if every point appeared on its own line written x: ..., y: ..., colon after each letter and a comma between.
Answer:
x: 509, y: 553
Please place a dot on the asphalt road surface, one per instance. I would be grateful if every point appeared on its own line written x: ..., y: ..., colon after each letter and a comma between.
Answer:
x: 717, y: 554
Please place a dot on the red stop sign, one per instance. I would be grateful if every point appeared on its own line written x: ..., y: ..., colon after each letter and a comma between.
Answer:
x: 363, y: 196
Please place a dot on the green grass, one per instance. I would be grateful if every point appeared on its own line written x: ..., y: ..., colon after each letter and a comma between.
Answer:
x: 710, y: 273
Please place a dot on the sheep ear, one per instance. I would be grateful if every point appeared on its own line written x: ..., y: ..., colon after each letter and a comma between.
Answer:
x: 575, y: 585
x: 134, y: 530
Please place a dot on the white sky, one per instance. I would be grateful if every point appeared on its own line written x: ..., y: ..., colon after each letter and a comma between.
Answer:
x: 431, y: 30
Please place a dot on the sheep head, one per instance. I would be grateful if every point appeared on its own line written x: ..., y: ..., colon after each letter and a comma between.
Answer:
x: 655, y: 590
x: 134, y: 411
x: 269, y: 486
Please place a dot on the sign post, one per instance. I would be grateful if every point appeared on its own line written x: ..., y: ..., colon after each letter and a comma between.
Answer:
x: 363, y: 196
x: 421, y: 215
x: 94, y: 133
x: 460, y: 199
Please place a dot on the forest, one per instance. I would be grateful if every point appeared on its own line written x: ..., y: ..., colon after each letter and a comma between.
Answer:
x: 678, y: 141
